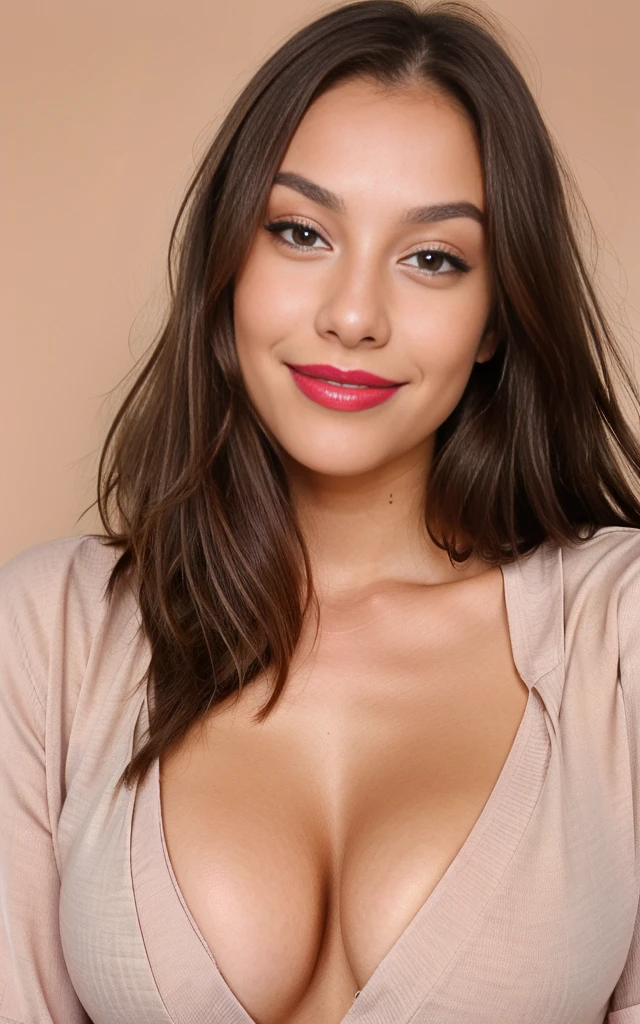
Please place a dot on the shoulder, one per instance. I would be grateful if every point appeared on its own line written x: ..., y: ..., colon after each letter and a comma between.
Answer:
x: 34, y: 582
x: 52, y: 595
x: 602, y: 592
x: 50, y: 554
x: 606, y: 566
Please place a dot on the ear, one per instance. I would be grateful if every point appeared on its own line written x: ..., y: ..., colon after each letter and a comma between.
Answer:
x: 487, y: 346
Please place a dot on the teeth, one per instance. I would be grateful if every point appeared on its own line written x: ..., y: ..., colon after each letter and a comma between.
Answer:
x: 346, y: 385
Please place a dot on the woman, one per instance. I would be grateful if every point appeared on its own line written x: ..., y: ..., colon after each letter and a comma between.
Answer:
x: 341, y: 722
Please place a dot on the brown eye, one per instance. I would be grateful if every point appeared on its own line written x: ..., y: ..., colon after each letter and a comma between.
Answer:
x: 430, y: 260
x: 302, y: 236
x: 433, y: 261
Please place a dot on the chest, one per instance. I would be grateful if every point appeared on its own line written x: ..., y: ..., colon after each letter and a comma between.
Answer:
x: 313, y: 839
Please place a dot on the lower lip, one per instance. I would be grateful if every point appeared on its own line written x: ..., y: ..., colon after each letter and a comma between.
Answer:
x: 335, y: 396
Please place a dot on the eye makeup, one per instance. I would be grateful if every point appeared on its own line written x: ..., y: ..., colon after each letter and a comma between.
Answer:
x: 434, y: 253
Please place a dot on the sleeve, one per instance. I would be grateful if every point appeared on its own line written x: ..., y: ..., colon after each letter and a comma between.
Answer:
x: 624, y: 1006
x: 35, y: 987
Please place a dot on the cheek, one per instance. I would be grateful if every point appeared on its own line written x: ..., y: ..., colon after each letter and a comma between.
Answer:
x: 265, y: 314
x: 446, y: 334
x: 250, y: 306
x: 268, y: 304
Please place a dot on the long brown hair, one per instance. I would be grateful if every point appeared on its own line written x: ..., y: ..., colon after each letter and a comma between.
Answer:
x: 192, y: 485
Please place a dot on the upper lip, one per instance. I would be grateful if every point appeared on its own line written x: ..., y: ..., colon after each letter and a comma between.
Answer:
x: 333, y: 373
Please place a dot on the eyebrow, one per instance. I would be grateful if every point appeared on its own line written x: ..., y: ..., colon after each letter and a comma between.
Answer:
x: 414, y: 215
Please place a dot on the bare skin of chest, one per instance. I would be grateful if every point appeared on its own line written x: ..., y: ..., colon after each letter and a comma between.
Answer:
x: 304, y: 846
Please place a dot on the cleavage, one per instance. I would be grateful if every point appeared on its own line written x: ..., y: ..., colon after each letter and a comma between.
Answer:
x: 313, y: 839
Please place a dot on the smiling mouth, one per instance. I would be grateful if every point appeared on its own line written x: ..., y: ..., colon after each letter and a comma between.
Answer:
x: 342, y: 384
x: 343, y: 378
x: 346, y: 396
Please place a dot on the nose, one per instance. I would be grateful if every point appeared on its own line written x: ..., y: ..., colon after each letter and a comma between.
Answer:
x: 352, y: 309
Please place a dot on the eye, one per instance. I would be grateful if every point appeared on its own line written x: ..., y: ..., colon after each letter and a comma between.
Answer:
x: 303, y: 235
x: 430, y: 262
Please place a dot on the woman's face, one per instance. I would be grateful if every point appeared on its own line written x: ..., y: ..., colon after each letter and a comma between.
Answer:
x: 366, y: 279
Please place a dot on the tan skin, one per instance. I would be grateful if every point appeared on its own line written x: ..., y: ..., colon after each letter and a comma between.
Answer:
x: 304, y: 846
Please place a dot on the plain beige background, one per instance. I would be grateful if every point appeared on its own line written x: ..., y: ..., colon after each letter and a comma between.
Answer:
x: 105, y: 106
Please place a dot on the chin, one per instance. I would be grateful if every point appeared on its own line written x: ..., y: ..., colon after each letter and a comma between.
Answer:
x: 329, y: 462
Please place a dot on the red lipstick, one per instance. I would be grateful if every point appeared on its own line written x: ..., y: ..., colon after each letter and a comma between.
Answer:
x: 350, y: 390
x: 333, y: 373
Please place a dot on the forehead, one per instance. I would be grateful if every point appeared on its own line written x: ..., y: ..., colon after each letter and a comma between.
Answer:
x: 397, y: 145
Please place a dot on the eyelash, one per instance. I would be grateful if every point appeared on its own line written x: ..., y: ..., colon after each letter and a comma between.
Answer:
x: 276, y: 227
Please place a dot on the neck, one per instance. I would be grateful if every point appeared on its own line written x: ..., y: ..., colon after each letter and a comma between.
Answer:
x: 367, y: 531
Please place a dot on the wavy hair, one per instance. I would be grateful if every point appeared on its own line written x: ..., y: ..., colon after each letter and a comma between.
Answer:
x: 191, y: 484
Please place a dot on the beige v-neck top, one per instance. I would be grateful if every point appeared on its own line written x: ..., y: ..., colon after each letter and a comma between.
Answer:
x: 534, y: 922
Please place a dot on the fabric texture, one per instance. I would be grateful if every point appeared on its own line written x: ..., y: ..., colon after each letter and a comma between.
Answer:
x: 535, y: 921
